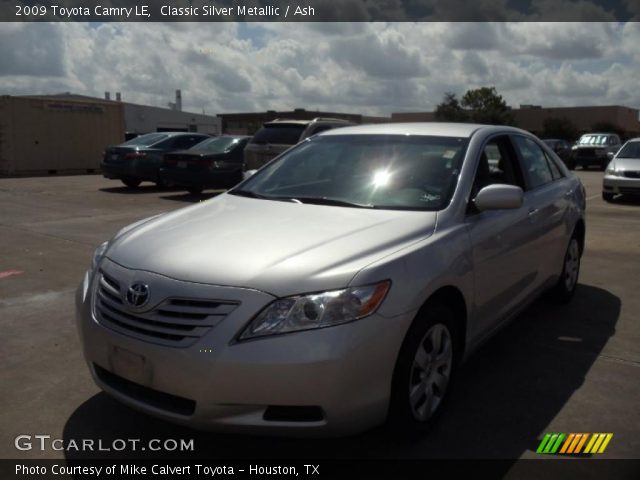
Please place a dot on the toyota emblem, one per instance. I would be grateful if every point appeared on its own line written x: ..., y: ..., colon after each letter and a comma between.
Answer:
x: 137, y: 294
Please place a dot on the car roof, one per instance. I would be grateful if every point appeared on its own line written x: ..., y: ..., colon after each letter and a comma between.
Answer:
x: 175, y: 134
x: 307, y: 122
x: 436, y: 129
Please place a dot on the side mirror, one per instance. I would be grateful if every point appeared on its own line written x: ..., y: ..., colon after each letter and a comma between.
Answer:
x: 498, y: 197
x: 610, y: 155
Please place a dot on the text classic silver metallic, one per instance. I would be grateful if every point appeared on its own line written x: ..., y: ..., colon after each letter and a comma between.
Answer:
x: 338, y: 287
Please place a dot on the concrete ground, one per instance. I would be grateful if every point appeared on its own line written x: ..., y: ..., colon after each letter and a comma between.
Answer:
x: 574, y: 368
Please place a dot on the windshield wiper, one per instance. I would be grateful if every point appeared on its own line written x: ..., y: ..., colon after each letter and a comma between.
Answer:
x: 246, y: 193
x: 329, y: 201
x: 251, y: 194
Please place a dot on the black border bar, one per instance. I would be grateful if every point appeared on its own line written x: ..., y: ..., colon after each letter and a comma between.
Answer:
x: 319, y: 10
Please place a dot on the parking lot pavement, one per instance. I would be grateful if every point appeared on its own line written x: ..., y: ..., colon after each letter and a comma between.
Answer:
x: 574, y: 368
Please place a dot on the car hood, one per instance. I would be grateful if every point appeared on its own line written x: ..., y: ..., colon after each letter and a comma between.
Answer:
x: 282, y: 248
x: 627, y: 164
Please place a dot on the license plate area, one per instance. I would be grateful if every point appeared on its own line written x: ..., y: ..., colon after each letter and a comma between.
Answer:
x: 129, y: 365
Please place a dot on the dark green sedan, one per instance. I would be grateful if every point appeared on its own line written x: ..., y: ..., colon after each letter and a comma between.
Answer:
x: 214, y: 163
x: 140, y: 158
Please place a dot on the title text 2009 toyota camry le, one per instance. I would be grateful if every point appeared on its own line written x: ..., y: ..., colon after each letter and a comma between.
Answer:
x: 337, y: 288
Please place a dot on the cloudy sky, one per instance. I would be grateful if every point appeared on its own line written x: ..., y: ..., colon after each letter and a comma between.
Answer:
x: 369, y: 68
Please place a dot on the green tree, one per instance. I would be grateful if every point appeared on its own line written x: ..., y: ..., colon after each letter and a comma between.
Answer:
x: 485, y: 105
x: 559, y: 127
x: 450, y: 110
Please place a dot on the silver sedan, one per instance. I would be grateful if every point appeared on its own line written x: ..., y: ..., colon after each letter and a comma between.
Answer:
x: 340, y: 286
x: 622, y: 175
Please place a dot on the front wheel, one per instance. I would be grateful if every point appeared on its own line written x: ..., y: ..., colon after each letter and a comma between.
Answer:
x: 568, y: 281
x: 131, y: 182
x: 423, y: 371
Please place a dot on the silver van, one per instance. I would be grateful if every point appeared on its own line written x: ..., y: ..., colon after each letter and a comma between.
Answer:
x: 340, y: 286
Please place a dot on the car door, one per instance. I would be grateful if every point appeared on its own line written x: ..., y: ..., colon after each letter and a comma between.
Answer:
x: 548, y: 193
x: 501, y: 241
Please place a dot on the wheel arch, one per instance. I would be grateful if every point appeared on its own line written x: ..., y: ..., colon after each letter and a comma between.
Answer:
x: 452, y: 297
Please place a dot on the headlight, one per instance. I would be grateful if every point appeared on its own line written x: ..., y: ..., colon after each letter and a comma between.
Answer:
x: 98, y: 254
x: 317, y: 310
x: 612, y: 171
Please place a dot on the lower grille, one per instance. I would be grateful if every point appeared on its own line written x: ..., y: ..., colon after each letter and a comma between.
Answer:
x: 629, y: 174
x: 174, y: 322
x: 146, y: 395
x: 629, y: 190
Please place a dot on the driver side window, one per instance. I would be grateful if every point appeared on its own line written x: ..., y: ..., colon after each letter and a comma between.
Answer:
x: 497, y: 164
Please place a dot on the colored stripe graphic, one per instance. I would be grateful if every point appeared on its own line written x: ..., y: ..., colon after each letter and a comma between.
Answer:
x: 584, y: 439
x: 543, y: 443
x: 606, y: 441
x: 567, y: 443
x: 573, y: 443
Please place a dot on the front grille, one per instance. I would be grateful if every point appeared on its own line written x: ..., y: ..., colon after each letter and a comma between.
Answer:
x: 586, y: 152
x: 629, y: 190
x: 154, y: 398
x: 631, y: 174
x: 174, y: 322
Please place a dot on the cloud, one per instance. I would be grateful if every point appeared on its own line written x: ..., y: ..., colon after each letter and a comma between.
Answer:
x: 369, y: 68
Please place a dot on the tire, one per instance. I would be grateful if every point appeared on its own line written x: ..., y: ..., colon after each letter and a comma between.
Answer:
x: 421, y: 383
x: 131, y: 182
x: 566, y: 287
x: 571, y: 164
x: 607, y: 197
x: 161, y: 183
x: 603, y: 166
x: 195, y: 190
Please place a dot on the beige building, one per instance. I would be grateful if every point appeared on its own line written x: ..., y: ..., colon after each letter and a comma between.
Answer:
x: 532, y: 118
x: 41, y: 135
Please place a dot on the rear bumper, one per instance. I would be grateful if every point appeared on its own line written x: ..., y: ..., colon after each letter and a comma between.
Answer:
x: 621, y: 185
x: 128, y: 170
x: 204, y: 178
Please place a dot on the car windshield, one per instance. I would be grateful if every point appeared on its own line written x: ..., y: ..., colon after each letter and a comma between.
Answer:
x: 593, y: 140
x: 368, y: 171
x: 146, y: 140
x: 630, y: 150
x: 216, y: 145
x: 280, y: 134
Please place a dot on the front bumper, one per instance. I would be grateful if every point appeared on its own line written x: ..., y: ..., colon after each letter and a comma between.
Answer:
x: 344, y: 372
x: 621, y: 185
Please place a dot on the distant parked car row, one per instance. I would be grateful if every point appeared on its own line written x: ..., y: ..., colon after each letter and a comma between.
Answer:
x: 197, y: 161
x: 592, y: 149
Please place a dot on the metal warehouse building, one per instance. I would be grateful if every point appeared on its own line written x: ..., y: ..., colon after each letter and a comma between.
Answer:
x: 67, y: 133
x: 40, y: 135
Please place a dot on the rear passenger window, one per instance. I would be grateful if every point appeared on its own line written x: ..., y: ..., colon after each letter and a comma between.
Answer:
x: 534, y: 162
x: 553, y: 166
